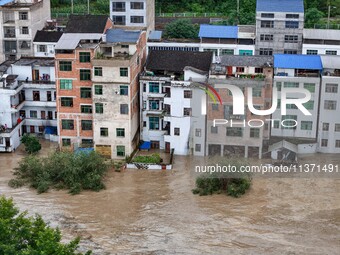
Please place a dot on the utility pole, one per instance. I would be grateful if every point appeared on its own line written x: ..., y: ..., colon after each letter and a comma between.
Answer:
x: 329, y: 15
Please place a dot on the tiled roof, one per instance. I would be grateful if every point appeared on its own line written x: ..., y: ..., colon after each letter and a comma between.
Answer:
x: 120, y: 35
x: 86, y: 24
x: 47, y: 36
x: 280, y: 6
x: 254, y: 61
x: 215, y: 31
x: 176, y: 61
x: 291, y: 61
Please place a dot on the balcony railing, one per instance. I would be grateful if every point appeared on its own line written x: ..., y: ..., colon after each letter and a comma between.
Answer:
x: 9, y: 35
x: 42, y: 82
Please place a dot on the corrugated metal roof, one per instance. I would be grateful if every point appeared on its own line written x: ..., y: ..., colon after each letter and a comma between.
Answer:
x: 215, y: 31
x: 280, y: 6
x: 290, y: 61
x: 2, y: 2
x: 321, y: 34
x: 70, y: 41
x: 330, y: 62
x: 155, y: 35
x: 120, y: 35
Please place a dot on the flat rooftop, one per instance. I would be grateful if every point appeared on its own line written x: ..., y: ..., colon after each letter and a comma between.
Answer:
x: 30, y: 61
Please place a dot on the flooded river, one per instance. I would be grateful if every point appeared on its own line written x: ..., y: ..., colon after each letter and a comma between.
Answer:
x: 144, y: 212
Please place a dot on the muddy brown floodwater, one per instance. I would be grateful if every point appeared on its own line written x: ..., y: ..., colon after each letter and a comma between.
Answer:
x: 148, y: 212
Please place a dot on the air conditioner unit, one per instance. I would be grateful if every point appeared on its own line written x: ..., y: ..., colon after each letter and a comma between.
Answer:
x: 46, y: 53
x: 51, y: 51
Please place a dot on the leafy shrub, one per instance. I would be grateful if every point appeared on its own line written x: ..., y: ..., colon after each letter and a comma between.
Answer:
x: 75, y: 172
x: 31, y: 143
x: 152, y: 159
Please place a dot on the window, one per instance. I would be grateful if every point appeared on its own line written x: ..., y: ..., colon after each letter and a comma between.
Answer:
x: 124, y: 46
x: 36, y: 95
x: 291, y: 38
x: 88, y: 142
x: 267, y: 15
x: 65, y: 66
x: 267, y: 23
x: 292, y: 16
x: 10, y: 46
x: 66, y: 84
x: 118, y: 20
x: 99, y: 108
x: 86, y: 125
x: 104, y: 132
x: 254, y: 132
x: 310, y: 87
x: 337, y: 128
x: 264, y: 37
x: 324, y: 142
x: 312, y: 52
x: 124, y: 109
x: 85, y: 74
x: 137, y: 19
x: 176, y: 131
x: 25, y: 44
x: 258, y: 70
x: 290, y: 51
x: 33, y: 114
x: 98, y: 89
x: 154, y: 104
x: 67, y: 124
x: 227, y: 52
x: 309, y: 105
x: 337, y: 143
x: 266, y: 51
x: 276, y: 124
x: 124, y: 90
x: 289, y: 121
x: 85, y: 92
x: 325, y: 126
x: 154, y: 123
x: 24, y: 30
x: 118, y: 6
x: 331, y: 88
x: 187, y: 94
x: 292, y: 24
x: 197, y: 147
x: 214, y: 107
x: 154, y: 87
x: 187, y: 111
x: 240, y: 69
x: 42, y: 48
x: 23, y: 15
x: 330, y: 105
x: 86, y: 108
x: 306, y: 125
x: 291, y: 84
x: 66, y: 142
x: 234, y: 131
x: 67, y: 101
x: 84, y: 57
x: 120, y: 132
x: 124, y: 72
x: 98, y: 71
x: 137, y: 5
x: 9, y: 32
x: 120, y: 150
x: 257, y: 92
x: 331, y: 52
x: 214, y: 130
x: 198, y: 132
x: 278, y: 86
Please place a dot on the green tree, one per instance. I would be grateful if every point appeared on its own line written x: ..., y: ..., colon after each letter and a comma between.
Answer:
x: 312, y: 17
x: 23, y: 235
x: 181, y: 28
x: 32, y: 144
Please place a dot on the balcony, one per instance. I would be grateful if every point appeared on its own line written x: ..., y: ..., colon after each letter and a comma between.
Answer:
x: 8, y: 132
x: 33, y: 103
x: 241, y: 80
x: 39, y: 84
x: 41, y: 122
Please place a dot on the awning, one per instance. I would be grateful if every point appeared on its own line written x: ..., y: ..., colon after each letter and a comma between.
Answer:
x: 145, y: 146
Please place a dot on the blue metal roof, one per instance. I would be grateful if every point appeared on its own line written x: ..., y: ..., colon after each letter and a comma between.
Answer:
x: 122, y: 36
x: 2, y: 2
x: 291, y: 61
x: 215, y: 31
x: 145, y: 146
x: 155, y: 35
x: 280, y: 6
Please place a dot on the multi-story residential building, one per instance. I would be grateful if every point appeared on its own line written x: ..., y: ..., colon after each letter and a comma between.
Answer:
x: 73, y: 55
x: 222, y: 40
x: 173, y: 101
x: 297, y: 71
x: 321, y: 42
x: 19, y: 21
x: 229, y: 134
x: 44, y: 43
x: 279, y: 26
x: 133, y: 13
x: 329, y: 118
x: 28, y: 101
x: 116, y: 67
